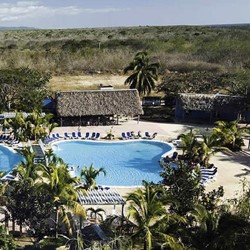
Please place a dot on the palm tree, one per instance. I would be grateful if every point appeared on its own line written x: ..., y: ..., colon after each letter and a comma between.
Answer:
x: 209, y: 146
x: 27, y: 168
x: 189, y: 145
x: 96, y: 213
x: 205, y: 225
x: 144, y: 74
x: 147, y: 211
x: 88, y: 176
x: 59, y: 183
x: 230, y: 134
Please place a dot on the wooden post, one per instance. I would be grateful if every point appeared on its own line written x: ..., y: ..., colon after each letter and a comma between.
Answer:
x: 122, y: 215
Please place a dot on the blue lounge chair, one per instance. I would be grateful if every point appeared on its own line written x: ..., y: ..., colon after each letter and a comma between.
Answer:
x: 54, y: 136
x: 4, y: 137
x: 58, y: 136
x: 93, y: 135
x: 66, y: 136
x: 79, y: 134
x: 147, y: 135
x: 86, y: 136
x: 129, y: 135
x: 124, y: 137
x: 97, y: 136
x: 74, y: 136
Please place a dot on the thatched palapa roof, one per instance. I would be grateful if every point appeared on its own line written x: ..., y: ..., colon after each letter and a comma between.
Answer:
x: 208, y: 102
x: 99, y: 102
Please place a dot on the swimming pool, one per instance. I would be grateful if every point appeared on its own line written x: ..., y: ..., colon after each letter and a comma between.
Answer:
x: 126, y: 163
x: 9, y: 158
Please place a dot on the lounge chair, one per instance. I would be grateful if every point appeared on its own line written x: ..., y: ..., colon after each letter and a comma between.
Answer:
x: 86, y: 136
x: 7, y: 139
x: 97, y: 136
x: 74, y: 136
x: 129, y: 135
x: 124, y: 137
x: 153, y: 136
x: 177, y: 143
x: 147, y: 135
x: 66, y: 136
x: 174, y: 156
x: 93, y: 136
x: 79, y: 134
x: 58, y: 136
x: 139, y: 134
x: 54, y: 136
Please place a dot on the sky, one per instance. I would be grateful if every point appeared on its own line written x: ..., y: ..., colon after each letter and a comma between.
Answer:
x: 59, y: 14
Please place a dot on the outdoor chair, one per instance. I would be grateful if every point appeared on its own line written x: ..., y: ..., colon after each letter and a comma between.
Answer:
x: 97, y: 136
x: 86, y: 136
x: 124, y: 137
x: 129, y: 135
x: 74, y: 136
x: 147, y: 135
x: 93, y: 136
x: 66, y: 136
x: 58, y: 136
x: 79, y: 134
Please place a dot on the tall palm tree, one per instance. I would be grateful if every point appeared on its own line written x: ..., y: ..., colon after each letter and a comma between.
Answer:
x: 88, y: 175
x: 147, y: 211
x: 144, y: 74
x: 60, y: 184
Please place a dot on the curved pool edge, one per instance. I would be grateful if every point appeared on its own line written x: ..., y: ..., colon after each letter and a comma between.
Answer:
x: 172, y: 149
x: 13, y: 150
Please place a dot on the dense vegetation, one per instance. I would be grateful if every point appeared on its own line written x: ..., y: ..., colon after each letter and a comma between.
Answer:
x: 173, y: 214
x: 176, y: 48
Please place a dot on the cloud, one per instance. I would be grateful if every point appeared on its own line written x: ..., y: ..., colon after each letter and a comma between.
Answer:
x: 31, y: 9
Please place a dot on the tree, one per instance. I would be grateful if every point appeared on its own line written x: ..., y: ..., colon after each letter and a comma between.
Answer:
x: 34, y: 126
x: 60, y: 184
x: 96, y: 214
x: 209, y: 146
x: 6, y: 240
x: 147, y: 211
x: 144, y: 74
x: 28, y: 204
x: 27, y: 169
x: 230, y: 134
x: 183, y: 184
x: 190, y: 146
x: 88, y: 176
x: 22, y: 89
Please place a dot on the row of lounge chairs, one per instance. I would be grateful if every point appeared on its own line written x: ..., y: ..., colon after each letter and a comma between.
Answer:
x: 132, y: 135
x: 8, y: 139
x: 100, y: 196
x: 74, y: 135
x: 87, y: 136
x: 208, y: 175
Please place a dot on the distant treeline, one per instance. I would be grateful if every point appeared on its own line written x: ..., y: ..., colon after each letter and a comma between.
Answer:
x: 176, y: 48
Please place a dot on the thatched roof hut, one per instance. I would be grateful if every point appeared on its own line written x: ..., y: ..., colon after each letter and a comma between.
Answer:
x: 208, y: 102
x: 209, y: 107
x: 124, y: 102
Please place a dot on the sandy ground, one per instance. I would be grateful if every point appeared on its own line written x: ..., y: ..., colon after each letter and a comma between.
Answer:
x: 85, y: 82
x: 232, y: 167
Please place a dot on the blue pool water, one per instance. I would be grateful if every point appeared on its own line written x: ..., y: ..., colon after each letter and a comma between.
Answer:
x: 126, y: 163
x: 8, y: 159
